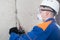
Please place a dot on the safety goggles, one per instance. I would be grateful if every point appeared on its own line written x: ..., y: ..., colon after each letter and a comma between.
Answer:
x: 45, y: 8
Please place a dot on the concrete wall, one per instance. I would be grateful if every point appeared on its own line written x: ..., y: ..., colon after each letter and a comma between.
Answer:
x: 7, y: 17
x: 26, y: 11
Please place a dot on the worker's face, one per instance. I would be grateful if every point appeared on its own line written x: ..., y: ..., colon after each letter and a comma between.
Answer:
x: 44, y: 12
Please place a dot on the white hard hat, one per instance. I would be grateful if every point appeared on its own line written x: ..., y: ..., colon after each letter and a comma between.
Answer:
x: 54, y: 4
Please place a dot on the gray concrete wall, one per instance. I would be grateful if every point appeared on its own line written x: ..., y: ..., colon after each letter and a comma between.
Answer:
x: 7, y: 17
x: 26, y: 12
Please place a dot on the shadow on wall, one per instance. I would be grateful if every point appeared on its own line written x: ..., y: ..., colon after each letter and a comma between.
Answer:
x: 58, y: 19
x: 58, y: 16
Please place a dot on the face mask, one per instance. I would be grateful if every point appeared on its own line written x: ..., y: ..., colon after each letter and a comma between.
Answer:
x: 39, y: 17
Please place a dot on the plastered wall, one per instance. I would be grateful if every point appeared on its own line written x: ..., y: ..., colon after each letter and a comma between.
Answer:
x: 26, y: 12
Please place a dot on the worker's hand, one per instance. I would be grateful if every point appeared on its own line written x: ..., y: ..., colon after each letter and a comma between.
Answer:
x: 15, y: 30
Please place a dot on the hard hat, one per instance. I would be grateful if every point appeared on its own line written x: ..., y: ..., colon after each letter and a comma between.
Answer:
x: 54, y: 4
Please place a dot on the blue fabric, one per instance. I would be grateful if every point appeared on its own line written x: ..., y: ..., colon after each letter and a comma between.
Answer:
x: 33, y: 34
x: 51, y: 33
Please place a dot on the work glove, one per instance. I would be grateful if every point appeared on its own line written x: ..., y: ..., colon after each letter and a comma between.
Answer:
x: 15, y: 30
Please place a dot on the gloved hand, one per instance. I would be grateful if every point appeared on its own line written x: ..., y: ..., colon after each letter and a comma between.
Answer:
x: 15, y: 30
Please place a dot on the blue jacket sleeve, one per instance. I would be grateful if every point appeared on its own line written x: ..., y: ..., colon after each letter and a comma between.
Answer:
x: 30, y: 35
x: 36, y: 34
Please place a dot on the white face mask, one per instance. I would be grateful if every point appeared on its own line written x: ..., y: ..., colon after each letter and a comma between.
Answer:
x: 39, y: 17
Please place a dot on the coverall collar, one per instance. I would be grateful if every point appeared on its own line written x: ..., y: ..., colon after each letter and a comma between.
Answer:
x: 52, y: 19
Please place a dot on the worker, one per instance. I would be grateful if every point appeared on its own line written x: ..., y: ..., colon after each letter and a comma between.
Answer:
x: 48, y: 29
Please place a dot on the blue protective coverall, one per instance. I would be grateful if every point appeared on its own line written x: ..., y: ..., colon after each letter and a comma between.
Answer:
x: 47, y: 30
